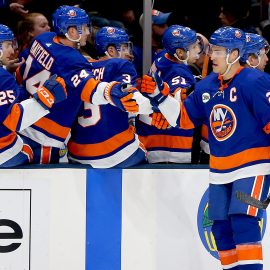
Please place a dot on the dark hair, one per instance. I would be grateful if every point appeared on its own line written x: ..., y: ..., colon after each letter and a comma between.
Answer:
x: 237, y: 8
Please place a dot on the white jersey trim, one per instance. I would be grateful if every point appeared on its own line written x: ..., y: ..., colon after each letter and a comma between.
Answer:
x: 12, y: 151
x: 167, y: 156
x: 253, y: 170
x: 112, y: 160
x: 41, y: 138
x: 205, y: 146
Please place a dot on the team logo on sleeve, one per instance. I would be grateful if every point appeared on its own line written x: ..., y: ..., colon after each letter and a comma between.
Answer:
x: 222, y: 122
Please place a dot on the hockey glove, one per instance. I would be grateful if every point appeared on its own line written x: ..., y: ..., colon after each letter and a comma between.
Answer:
x: 121, y: 96
x: 159, y: 121
x: 155, y: 87
x: 51, y: 92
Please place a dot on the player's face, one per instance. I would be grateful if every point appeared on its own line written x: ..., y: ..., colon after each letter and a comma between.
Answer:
x: 194, y: 50
x: 218, y: 57
x: 40, y: 25
x: 126, y: 51
x: 264, y: 59
x: 85, y: 34
x: 8, y: 52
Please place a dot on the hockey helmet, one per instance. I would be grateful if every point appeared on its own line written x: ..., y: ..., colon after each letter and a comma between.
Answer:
x: 178, y: 37
x: 229, y: 38
x: 254, y: 44
x: 107, y: 36
x: 67, y: 16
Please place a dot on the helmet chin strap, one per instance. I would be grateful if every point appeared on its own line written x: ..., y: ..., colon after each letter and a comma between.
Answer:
x: 185, y: 61
x: 229, y: 65
x: 259, y: 58
x: 77, y: 41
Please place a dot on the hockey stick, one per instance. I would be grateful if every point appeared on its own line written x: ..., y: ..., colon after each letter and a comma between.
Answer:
x: 246, y: 198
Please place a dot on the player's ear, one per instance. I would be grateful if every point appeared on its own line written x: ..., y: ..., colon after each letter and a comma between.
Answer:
x: 180, y: 53
x: 235, y: 54
x: 111, y: 51
x: 72, y: 32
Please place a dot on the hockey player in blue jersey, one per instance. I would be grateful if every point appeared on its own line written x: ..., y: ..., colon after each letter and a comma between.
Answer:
x: 57, y: 53
x: 17, y: 115
x: 102, y: 136
x: 235, y: 103
x: 255, y: 51
x: 181, y: 48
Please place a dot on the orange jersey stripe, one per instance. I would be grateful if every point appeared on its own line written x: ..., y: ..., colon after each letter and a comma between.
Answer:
x: 228, y: 256
x: 102, y: 148
x: 256, y: 193
x: 249, y: 252
x: 167, y: 141
x: 11, y: 121
x: 88, y: 89
x: 185, y: 121
x: 235, y: 160
x: 267, y: 128
x: 204, y: 131
x: 28, y: 151
x: 45, y: 156
x: 52, y: 127
x: 7, y: 140
x: 19, y: 78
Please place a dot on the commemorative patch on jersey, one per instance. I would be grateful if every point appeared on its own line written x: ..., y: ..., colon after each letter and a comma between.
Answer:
x: 205, y: 97
x: 222, y: 122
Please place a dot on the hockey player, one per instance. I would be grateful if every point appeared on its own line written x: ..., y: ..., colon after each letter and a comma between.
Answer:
x: 172, y: 144
x: 255, y: 52
x: 234, y: 102
x: 102, y: 136
x: 17, y: 115
x: 57, y: 52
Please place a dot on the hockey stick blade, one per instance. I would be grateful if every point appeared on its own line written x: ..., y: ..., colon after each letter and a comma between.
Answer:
x: 246, y: 198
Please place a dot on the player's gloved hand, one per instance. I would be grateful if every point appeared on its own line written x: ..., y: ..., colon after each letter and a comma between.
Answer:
x: 155, y: 87
x: 121, y: 96
x: 51, y: 92
x: 159, y: 121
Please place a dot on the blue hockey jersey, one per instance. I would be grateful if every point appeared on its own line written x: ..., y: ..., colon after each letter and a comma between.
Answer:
x: 102, y: 136
x: 238, y: 121
x: 48, y: 57
x: 15, y: 115
x: 173, y: 144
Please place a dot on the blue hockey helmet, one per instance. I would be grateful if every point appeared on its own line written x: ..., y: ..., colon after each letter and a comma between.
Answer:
x: 5, y: 35
x: 110, y: 36
x: 67, y: 16
x: 229, y: 38
x: 254, y: 44
x: 178, y: 37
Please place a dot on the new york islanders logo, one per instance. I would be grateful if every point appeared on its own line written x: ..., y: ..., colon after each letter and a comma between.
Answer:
x: 222, y: 122
x: 176, y: 33
x: 110, y: 30
x: 72, y: 13
x: 238, y: 34
x: 204, y: 225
